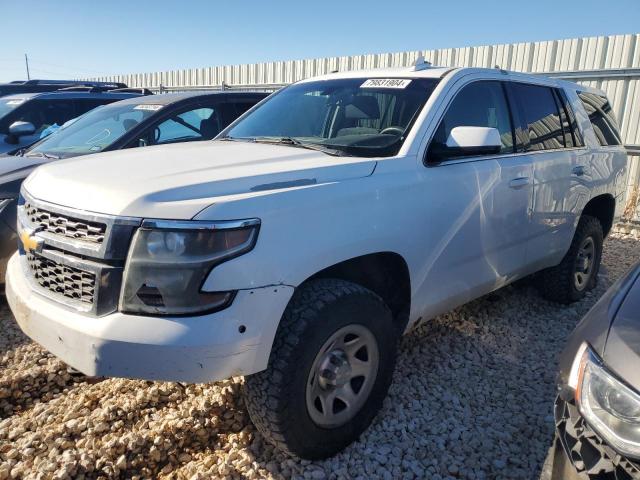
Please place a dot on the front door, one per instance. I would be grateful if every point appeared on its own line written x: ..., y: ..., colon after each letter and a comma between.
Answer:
x: 479, y: 212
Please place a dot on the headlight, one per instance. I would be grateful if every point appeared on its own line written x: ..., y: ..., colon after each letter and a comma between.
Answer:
x: 608, y: 405
x: 169, y: 261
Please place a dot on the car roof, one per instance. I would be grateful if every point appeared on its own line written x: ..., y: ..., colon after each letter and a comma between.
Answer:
x: 169, y: 98
x: 406, y: 72
x: 427, y: 71
x: 70, y: 95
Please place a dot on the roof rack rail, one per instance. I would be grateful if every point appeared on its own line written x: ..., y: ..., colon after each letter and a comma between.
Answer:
x: 70, y: 83
x: 142, y: 91
x: 82, y: 88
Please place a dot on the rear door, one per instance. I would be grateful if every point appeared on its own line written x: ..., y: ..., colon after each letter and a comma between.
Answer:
x: 560, y: 171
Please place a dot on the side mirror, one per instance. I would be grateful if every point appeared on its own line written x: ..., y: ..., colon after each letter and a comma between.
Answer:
x: 467, y: 142
x: 19, y: 129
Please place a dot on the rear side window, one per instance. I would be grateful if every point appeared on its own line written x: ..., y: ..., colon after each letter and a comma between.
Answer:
x: 572, y: 135
x: 601, y: 115
x: 479, y: 104
x: 541, y: 115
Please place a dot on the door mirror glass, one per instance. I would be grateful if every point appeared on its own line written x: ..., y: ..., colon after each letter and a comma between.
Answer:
x: 19, y: 129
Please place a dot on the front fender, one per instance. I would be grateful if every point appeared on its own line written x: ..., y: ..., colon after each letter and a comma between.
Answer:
x: 309, y: 228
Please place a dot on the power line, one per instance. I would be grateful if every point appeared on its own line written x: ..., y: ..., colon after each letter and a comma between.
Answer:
x: 69, y: 67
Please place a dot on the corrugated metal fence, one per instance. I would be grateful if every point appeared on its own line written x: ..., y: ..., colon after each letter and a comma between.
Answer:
x: 611, y: 63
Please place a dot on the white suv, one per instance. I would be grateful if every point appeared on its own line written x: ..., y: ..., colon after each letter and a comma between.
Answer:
x: 299, y: 245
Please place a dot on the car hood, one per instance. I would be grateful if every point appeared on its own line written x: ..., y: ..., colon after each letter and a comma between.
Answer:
x: 14, y: 168
x: 177, y: 181
x: 622, y: 349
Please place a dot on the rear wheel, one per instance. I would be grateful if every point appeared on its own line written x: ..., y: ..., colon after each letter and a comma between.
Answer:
x: 330, y: 368
x: 578, y: 272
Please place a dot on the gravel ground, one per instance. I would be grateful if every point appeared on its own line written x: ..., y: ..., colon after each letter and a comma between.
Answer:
x: 472, y: 398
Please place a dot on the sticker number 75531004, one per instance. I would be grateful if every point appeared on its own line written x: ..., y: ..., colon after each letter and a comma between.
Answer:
x: 386, y: 83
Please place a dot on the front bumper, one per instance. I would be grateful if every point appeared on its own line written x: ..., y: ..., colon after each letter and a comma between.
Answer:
x: 185, y: 349
x: 580, y: 452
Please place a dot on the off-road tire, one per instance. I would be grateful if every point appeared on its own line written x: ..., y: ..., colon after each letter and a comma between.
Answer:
x: 275, y: 397
x: 557, y: 283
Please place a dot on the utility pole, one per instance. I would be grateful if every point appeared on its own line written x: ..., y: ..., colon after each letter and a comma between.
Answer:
x: 26, y: 62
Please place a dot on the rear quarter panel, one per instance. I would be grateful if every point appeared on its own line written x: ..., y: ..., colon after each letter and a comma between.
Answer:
x: 607, y: 172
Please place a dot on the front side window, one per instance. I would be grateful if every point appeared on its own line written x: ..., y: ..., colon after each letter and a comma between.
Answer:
x: 602, y: 118
x: 479, y: 104
x: 355, y: 116
x: 195, y: 124
x: 43, y: 114
x: 9, y: 105
x: 542, y: 116
x: 94, y: 131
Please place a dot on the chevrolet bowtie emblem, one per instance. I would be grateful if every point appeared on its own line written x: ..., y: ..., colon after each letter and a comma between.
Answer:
x: 30, y: 242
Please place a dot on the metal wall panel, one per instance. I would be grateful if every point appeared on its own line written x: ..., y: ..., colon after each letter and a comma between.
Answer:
x: 611, y: 63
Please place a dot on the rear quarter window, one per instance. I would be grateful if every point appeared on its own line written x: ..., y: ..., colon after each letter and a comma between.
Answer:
x: 602, y: 118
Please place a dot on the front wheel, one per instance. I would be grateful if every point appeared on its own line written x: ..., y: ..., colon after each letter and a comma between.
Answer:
x: 330, y: 368
x: 578, y: 272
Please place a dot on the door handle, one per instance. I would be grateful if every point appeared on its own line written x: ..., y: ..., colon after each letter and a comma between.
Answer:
x: 578, y: 170
x: 519, y: 182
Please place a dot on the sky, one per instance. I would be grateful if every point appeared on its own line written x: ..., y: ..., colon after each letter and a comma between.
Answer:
x: 78, y: 39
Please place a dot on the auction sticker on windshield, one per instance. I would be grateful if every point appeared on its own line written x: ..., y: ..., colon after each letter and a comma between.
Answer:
x: 386, y: 83
x: 153, y: 108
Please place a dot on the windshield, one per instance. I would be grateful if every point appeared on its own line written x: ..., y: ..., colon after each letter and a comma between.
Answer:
x: 94, y: 131
x: 358, y: 116
x: 7, y: 105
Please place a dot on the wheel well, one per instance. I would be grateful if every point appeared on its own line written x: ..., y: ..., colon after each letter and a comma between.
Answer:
x: 603, y: 208
x: 384, y: 273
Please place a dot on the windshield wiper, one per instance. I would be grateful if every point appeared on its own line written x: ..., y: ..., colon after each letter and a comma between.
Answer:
x: 48, y: 156
x: 237, y: 139
x: 300, y: 144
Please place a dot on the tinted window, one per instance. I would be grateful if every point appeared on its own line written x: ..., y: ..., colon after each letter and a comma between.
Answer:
x: 542, y: 116
x: 480, y: 104
x: 8, y: 105
x: 241, y: 107
x: 41, y: 113
x: 195, y: 124
x: 572, y: 135
x: 602, y: 118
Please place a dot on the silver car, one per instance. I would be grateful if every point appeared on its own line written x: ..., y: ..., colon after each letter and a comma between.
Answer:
x: 598, y: 407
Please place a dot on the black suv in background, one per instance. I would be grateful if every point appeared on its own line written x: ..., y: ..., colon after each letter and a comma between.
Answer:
x: 27, y: 117
x: 40, y: 86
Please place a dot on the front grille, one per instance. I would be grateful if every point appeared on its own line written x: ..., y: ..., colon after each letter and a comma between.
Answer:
x: 70, y: 282
x: 592, y: 458
x: 64, y: 225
